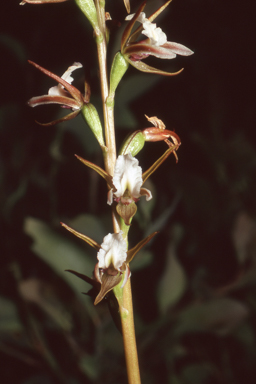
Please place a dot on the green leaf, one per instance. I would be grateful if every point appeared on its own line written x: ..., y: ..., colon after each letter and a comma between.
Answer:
x: 142, y: 260
x: 9, y: 319
x: 59, y: 252
x: 89, y: 224
x: 173, y: 282
x: 221, y: 315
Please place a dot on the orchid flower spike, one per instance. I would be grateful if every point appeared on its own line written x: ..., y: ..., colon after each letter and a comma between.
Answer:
x: 64, y: 93
x: 156, y: 43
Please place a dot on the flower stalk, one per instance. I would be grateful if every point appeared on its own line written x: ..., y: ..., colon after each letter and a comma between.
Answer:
x: 123, y: 175
x: 128, y: 331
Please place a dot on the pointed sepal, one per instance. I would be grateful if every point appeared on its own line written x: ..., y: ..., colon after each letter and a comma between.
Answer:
x: 87, y: 239
x: 132, y: 252
x: 97, y: 169
x: 157, y: 163
x: 108, y: 282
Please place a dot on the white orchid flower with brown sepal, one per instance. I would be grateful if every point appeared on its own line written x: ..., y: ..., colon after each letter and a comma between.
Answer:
x: 63, y: 94
x: 156, y: 43
x: 113, y: 261
x: 126, y: 185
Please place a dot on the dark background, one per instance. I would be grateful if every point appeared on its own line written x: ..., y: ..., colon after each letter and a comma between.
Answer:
x: 194, y: 287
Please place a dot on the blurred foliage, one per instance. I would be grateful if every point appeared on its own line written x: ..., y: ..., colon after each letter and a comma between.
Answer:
x: 194, y: 285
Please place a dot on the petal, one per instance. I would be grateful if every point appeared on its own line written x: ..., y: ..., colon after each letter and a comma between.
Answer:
x: 146, y: 192
x: 157, y: 134
x: 145, y: 49
x: 110, y: 197
x: 127, y: 176
x: 156, y: 35
x: 177, y: 48
x: 67, y: 74
x: 136, y: 33
x: 156, y: 122
x: 59, y: 89
x: 141, y: 18
x: 112, y: 251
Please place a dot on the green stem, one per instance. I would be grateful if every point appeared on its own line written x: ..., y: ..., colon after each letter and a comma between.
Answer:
x: 124, y: 295
x: 100, y: 33
x: 128, y: 331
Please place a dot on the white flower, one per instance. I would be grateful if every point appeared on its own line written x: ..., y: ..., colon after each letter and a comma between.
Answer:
x: 113, y: 251
x: 155, y: 34
x: 59, y: 90
x: 127, y: 175
x: 127, y: 181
